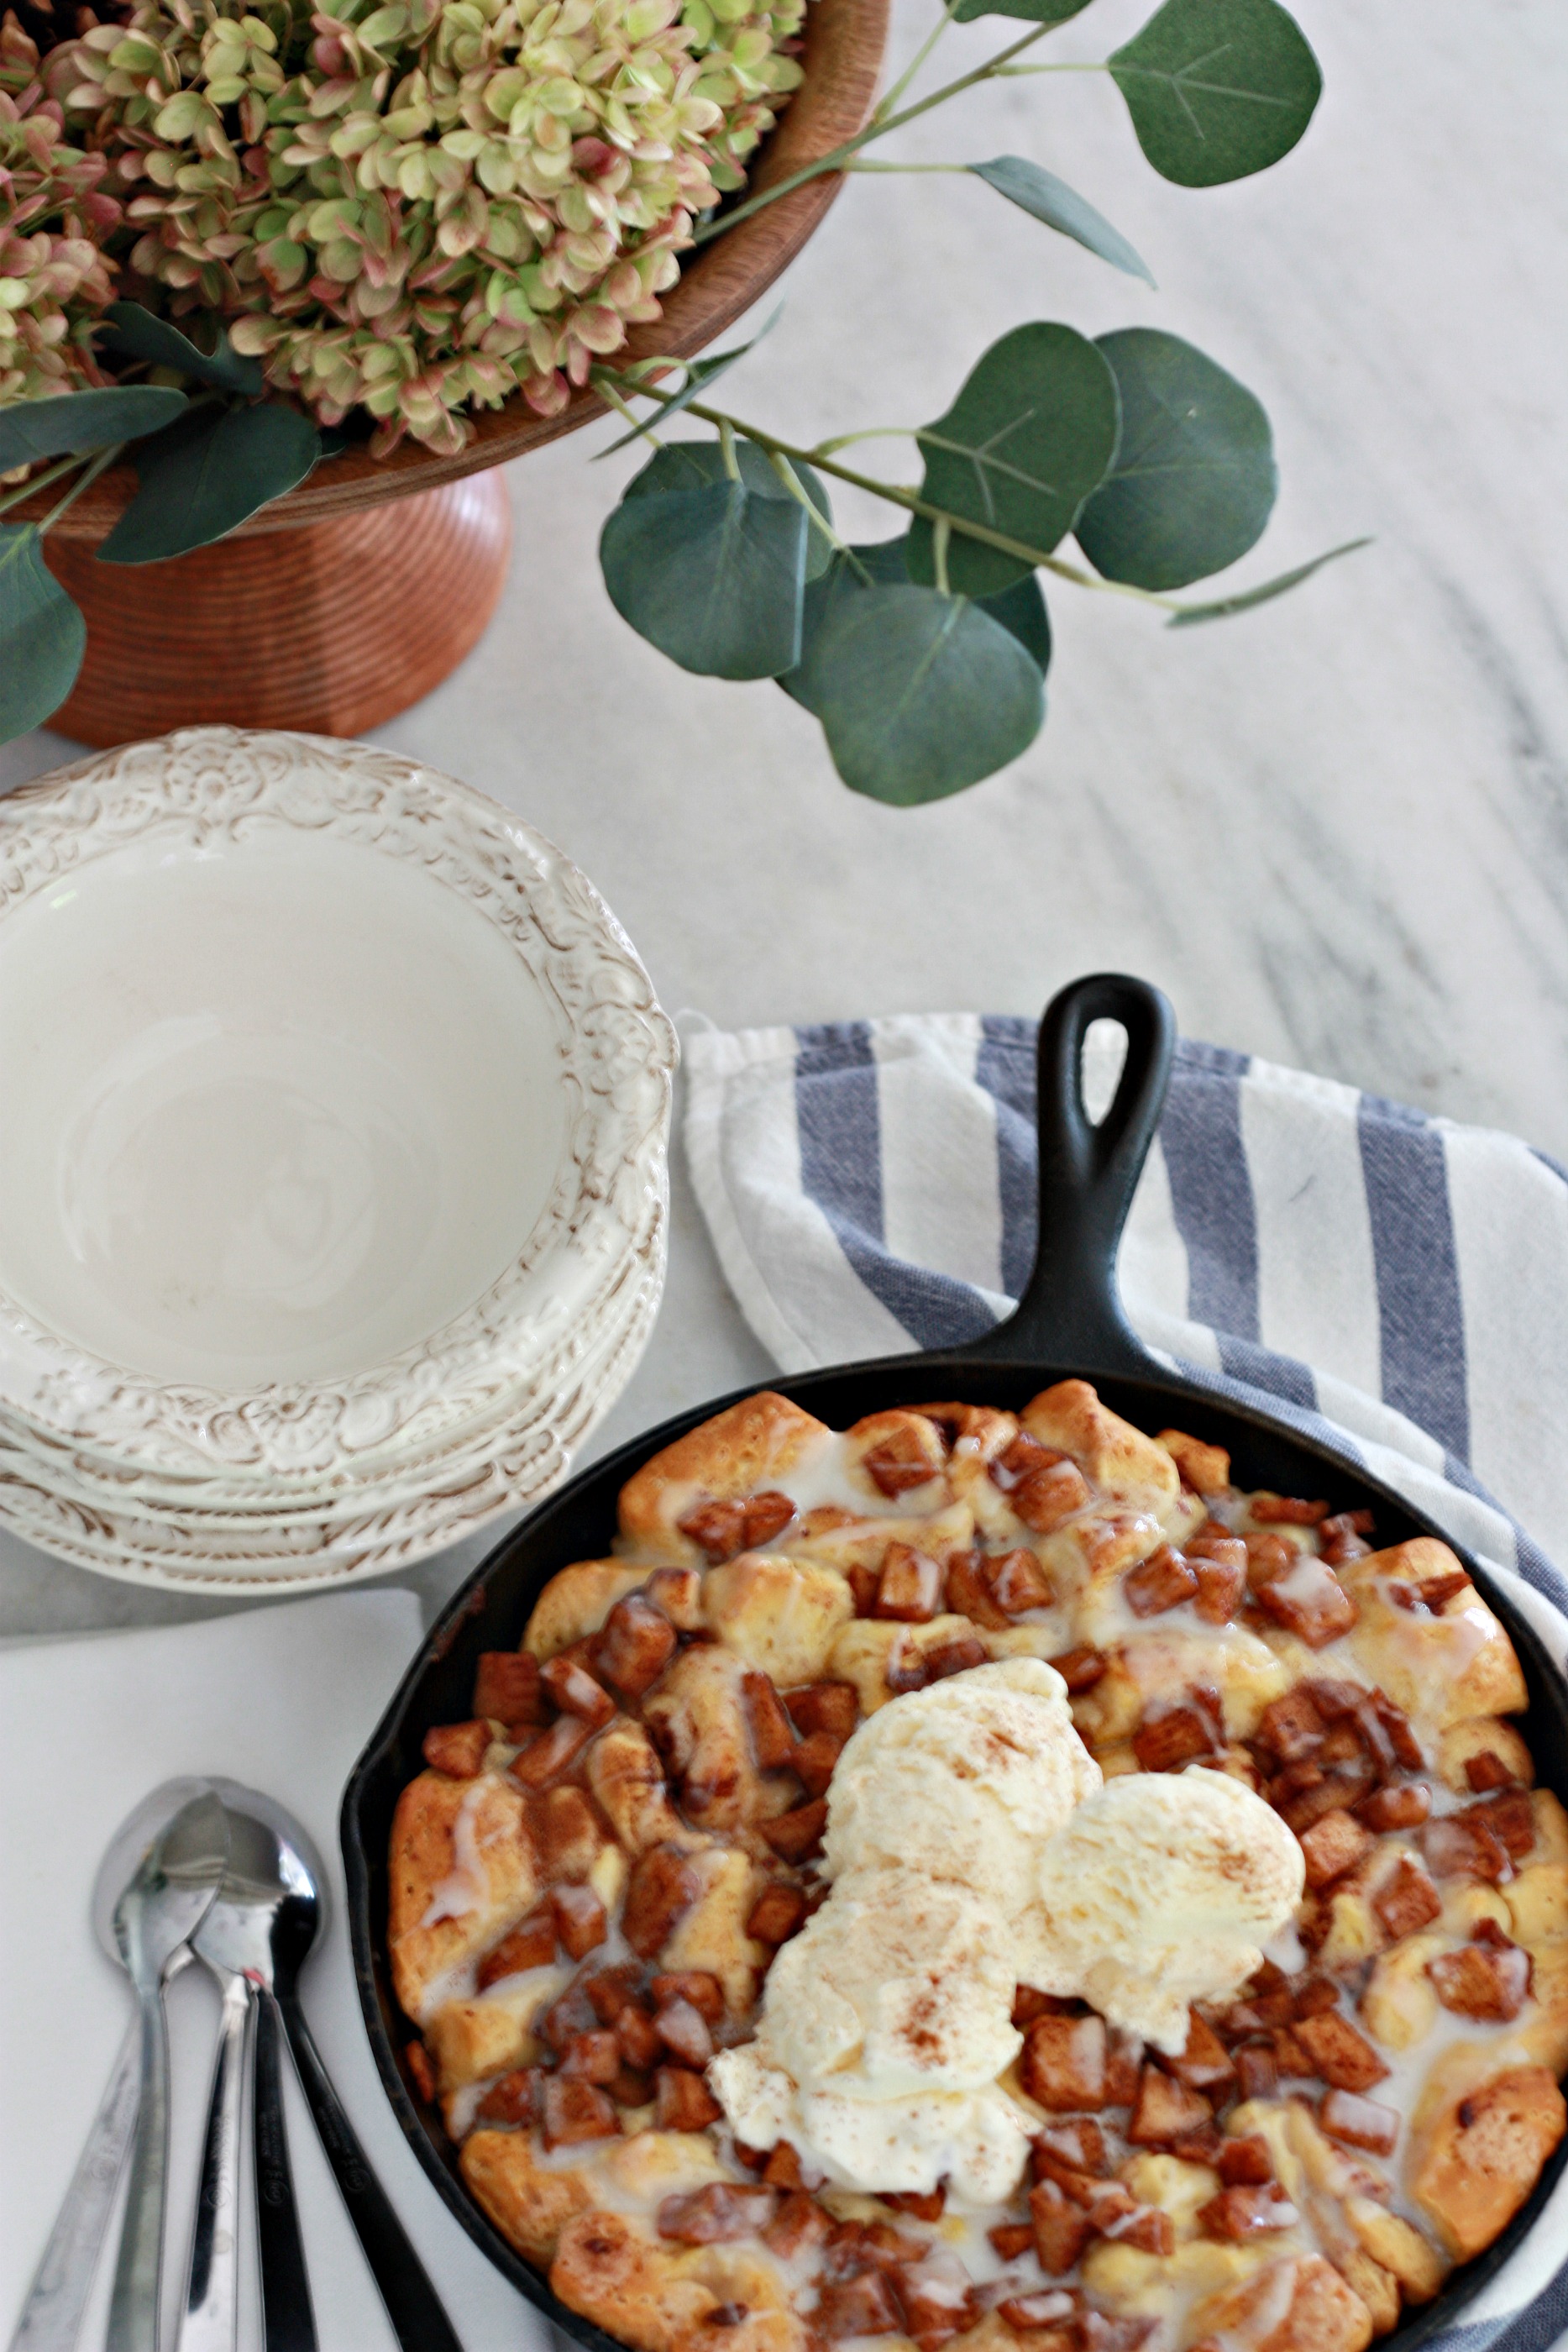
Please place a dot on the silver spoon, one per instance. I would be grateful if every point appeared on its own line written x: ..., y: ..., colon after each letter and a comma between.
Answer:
x: 137, y: 1854
x: 294, y: 1924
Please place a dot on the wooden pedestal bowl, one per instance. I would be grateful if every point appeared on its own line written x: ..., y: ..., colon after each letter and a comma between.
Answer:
x: 355, y: 593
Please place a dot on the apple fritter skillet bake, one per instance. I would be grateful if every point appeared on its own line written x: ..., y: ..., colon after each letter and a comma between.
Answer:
x: 987, y: 1880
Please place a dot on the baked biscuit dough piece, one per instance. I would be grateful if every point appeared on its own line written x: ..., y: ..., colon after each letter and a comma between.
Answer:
x: 780, y: 1615
x: 660, y: 2298
x: 462, y: 1842
x: 1127, y: 1467
x: 576, y: 1602
x: 696, y: 1712
x: 629, y: 1784
x: 530, y: 2203
x: 1477, y: 2147
x: 1441, y: 1667
x: 1301, y: 2305
x: 471, y: 2039
x: 712, y: 1934
x: 751, y: 1447
x: 1165, y: 1666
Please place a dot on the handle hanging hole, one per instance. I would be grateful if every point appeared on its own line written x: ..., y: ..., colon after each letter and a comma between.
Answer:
x: 1105, y: 1057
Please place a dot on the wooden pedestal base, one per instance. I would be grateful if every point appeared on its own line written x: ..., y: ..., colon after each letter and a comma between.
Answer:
x: 329, y: 626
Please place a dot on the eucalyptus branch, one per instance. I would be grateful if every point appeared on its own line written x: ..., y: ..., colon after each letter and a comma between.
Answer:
x: 603, y: 383
x: 875, y: 128
x: 1035, y: 557
x: 104, y: 460
x: 886, y: 104
x: 814, y: 515
x: 40, y: 481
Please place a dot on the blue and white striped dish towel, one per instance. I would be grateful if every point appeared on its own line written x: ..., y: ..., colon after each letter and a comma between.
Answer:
x: 1396, y: 1282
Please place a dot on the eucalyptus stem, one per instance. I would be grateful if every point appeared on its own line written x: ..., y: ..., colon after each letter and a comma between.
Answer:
x: 624, y: 408
x: 890, y: 99
x: 913, y: 503
x: 104, y: 460
x: 727, y: 446
x: 40, y: 481
x: 874, y: 129
x: 870, y: 166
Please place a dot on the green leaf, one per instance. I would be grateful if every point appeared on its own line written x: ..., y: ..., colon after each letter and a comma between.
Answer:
x: 201, y: 478
x: 710, y: 570
x: 1037, y: 12
x: 83, y: 420
x: 1217, y: 88
x: 920, y: 694
x: 42, y: 634
x: 137, y: 333
x: 1032, y: 432
x: 1195, y: 477
x: 1050, y: 200
x: 1223, y: 606
x: 693, y: 465
x: 700, y: 373
x: 1020, y: 609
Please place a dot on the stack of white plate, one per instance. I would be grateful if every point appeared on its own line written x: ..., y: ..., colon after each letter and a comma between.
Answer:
x: 334, y: 1105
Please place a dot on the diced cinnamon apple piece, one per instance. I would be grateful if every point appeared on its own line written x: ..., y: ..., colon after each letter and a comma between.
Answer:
x: 1080, y: 2145
x: 685, y: 2032
x: 1246, y: 2213
x: 1221, y: 1585
x: 1062, y: 2229
x: 1309, y: 1601
x: 1483, y: 1980
x: 506, y: 1688
x: 1361, y: 2123
x: 1464, y: 1845
x: 1343, y: 2057
x: 1150, y: 2228
x: 815, y: 1760
x: 1405, y: 1900
x: 1161, y: 1581
x: 1048, y: 1497
x: 1246, y: 2162
x: 1205, y: 1468
x: 1285, y: 1511
x: 718, y: 1528
x: 1080, y: 1669
x: 1205, y: 2063
x: 553, y: 1753
x: 1011, y: 2239
x: 1257, y: 2071
x: 1172, y: 1735
x: 720, y: 2211
x: 595, y: 2056
x: 797, y: 1835
x: 923, y: 2205
x: 662, y: 1887
x: 1164, y: 2109
x: 457, y: 1750
x: 969, y: 1592
x: 529, y: 1945
x: 421, y: 2068
x: 638, y: 2039
x: 1267, y: 1556
x: 1018, y: 1583
x: 777, y: 1914
x: 864, y: 2306
x: 1333, y: 1846
x: 1292, y: 1726
x: 772, y: 1733
x: 681, y: 2101
x: 766, y: 1515
x: 581, y: 1920
x: 573, y: 2110
x: 1511, y: 1819
x: 799, y: 2224
x: 1062, y: 2063
x: 1403, y: 1805
x: 909, y: 1589
x: 823, y: 1707
x: 636, y: 1644
x: 575, y: 1691
x: 514, y: 2098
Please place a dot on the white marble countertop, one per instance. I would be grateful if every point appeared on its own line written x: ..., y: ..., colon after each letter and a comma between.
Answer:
x: 1335, y: 830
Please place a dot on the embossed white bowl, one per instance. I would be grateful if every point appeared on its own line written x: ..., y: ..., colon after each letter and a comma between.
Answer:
x: 337, y: 1104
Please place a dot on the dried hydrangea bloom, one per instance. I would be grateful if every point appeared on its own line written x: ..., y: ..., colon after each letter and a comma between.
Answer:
x: 424, y: 209
x: 53, y: 219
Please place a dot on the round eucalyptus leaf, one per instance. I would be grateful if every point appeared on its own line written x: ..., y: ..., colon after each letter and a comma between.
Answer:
x: 1050, y: 200
x: 1032, y: 432
x: 139, y: 334
x: 1035, y: 12
x: 920, y: 694
x: 710, y: 570
x: 1217, y: 88
x: 81, y: 421
x: 1020, y: 609
x: 200, y: 479
x: 693, y: 464
x: 1195, y: 477
x: 42, y: 634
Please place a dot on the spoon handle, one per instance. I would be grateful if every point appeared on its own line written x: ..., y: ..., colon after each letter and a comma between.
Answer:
x: 288, y: 2322
x: 418, y: 2320
x: 51, y: 2316
x: 134, y: 2303
x: 210, y: 2320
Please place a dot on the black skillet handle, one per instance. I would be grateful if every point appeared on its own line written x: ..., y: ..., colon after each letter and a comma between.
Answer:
x: 1071, y: 1311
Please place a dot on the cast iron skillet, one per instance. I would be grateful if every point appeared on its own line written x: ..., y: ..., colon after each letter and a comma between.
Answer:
x: 1069, y: 1322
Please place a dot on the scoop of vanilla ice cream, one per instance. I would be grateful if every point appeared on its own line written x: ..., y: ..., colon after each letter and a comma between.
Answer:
x: 976, y: 2141
x: 962, y: 1781
x: 897, y: 1984
x: 1160, y: 1891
